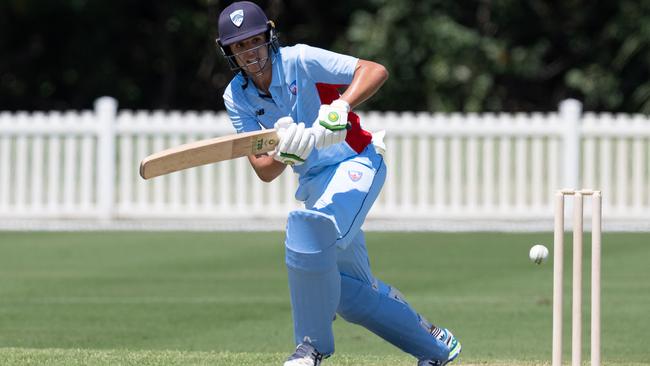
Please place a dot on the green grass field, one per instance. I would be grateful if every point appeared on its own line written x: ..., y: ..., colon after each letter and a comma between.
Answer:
x: 222, y: 298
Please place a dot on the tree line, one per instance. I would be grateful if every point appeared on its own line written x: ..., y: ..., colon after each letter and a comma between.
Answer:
x: 486, y: 55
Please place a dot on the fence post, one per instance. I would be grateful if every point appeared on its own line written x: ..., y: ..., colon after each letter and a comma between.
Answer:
x: 570, y: 112
x: 106, y: 112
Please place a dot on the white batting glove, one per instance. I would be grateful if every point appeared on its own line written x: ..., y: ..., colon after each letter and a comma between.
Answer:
x: 296, y: 142
x: 331, y: 125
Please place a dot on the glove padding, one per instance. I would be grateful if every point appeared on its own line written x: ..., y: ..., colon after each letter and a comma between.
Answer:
x: 331, y: 125
x: 296, y: 142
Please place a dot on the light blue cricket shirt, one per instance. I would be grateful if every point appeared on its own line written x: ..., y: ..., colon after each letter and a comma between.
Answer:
x: 304, y: 77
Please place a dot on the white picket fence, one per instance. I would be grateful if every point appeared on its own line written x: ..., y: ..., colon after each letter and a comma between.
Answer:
x: 501, y: 169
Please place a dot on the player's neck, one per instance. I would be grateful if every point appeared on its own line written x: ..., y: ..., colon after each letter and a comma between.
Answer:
x: 263, y: 81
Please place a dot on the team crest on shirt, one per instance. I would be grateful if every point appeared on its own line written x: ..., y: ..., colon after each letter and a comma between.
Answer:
x: 293, y: 88
x: 355, y: 175
x: 237, y: 17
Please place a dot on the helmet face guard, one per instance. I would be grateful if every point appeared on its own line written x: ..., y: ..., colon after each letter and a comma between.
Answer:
x: 272, y: 45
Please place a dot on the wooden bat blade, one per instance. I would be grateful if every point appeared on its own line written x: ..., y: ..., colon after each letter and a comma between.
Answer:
x: 208, y: 151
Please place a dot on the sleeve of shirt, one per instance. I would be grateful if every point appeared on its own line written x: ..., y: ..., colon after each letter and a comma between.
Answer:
x: 328, y: 67
x: 242, y: 120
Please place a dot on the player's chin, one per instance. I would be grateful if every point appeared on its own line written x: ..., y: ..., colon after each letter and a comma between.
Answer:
x: 252, y: 69
x: 257, y: 68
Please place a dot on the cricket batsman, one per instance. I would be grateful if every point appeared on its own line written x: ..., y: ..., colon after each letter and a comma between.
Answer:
x: 341, y: 172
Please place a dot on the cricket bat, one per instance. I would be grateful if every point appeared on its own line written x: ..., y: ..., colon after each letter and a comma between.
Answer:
x: 208, y: 151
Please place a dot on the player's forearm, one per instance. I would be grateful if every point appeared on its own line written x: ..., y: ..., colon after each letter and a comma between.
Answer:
x: 266, y: 168
x: 368, y: 78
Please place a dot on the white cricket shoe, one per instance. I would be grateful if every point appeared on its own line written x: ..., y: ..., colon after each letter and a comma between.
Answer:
x: 444, y: 335
x: 305, y: 355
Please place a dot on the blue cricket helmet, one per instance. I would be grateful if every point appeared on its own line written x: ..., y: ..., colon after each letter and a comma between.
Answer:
x: 241, y: 20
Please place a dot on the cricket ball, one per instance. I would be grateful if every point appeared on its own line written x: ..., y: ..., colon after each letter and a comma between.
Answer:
x: 538, y: 254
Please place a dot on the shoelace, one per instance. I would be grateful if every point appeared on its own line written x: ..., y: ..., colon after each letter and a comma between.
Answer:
x: 436, y: 332
x: 442, y: 336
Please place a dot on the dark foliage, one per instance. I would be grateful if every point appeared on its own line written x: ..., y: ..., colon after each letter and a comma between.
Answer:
x: 442, y: 55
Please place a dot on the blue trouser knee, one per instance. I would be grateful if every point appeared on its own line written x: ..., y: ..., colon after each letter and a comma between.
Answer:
x: 390, y: 317
x: 314, y: 280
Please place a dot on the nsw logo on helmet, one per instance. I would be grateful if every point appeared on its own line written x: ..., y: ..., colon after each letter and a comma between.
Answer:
x: 237, y: 17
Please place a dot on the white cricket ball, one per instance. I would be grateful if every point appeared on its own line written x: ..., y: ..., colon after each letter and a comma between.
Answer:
x: 538, y: 253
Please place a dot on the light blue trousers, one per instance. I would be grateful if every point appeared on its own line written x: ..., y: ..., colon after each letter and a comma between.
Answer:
x: 335, y: 276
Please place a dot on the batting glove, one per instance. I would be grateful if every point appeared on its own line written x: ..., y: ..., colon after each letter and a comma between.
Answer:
x: 331, y: 126
x: 296, y: 142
